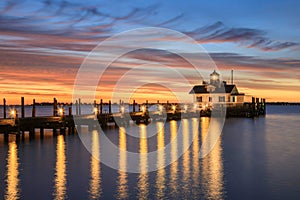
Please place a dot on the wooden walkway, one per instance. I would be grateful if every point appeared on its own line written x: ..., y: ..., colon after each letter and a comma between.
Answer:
x: 61, y: 123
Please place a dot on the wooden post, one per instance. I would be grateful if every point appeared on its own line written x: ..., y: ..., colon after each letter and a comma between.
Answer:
x: 133, y: 106
x: 70, y: 111
x: 62, y: 131
x: 18, y: 137
x: 109, y: 106
x: 157, y: 101
x: 69, y: 124
x: 253, y: 106
x: 264, y: 106
x: 33, y: 108
x: 6, y: 137
x: 54, y: 132
x: 146, y: 105
x: 95, y: 104
x: 69, y: 130
x: 31, y: 134
x: 41, y: 133
x: 101, y: 106
x: 4, y: 108
x: 79, y: 106
x: 261, y: 107
x: 54, y: 107
x: 76, y: 104
x: 22, y: 107
x: 257, y: 106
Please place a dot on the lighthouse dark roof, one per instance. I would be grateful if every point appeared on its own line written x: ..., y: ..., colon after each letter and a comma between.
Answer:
x: 201, y: 89
x: 214, y: 72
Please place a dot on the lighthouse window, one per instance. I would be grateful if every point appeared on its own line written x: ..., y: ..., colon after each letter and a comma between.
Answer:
x: 221, y: 99
x: 233, y: 99
x: 199, y: 99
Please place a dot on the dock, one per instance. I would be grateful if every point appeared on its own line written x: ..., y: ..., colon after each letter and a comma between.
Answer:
x: 62, y: 121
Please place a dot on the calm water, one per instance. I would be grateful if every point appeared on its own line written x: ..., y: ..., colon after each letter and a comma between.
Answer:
x: 254, y: 159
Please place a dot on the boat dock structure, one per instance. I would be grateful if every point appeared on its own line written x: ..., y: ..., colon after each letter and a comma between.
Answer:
x: 62, y: 120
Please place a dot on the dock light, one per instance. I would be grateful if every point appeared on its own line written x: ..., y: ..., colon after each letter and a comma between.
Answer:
x: 122, y: 109
x: 174, y: 107
x: 143, y: 108
x: 61, y: 111
x: 160, y: 108
x: 195, y: 106
x: 95, y: 110
x: 13, y: 113
x: 185, y: 107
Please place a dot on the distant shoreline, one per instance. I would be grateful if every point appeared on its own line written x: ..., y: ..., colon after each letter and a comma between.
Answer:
x: 284, y: 103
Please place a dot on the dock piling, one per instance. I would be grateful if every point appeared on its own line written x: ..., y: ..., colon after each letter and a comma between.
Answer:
x: 146, y: 105
x: 257, y: 107
x: 95, y: 104
x: 41, y: 133
x: 79, y: 106
x: 54, y: 107
x: 70, y: 111
x: 253, y: 107
x: 109, y: 106
x: 33, y: 108
x: 22, y: 107
x: 76, y: 105
x: 101, y: 106
x: 133, y: 106
x: 264, y: 106
x: 4, y: 108
x: 31, y: 134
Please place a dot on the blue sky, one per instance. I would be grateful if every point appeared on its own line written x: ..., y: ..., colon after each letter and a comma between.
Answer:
x: 260, y: 39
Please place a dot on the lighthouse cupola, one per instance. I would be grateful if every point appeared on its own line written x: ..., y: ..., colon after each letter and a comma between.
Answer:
x: 215, y: 79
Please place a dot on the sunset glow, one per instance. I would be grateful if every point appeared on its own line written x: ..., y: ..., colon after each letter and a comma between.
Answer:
x: 43, y: 44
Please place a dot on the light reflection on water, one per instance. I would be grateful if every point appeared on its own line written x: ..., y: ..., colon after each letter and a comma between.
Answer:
x: 212, y: 167
x: 12, y: 180
x: 143, y: 176
x: 184, y: 177
x: 186, y: 157
x: 60, y: 169
x: 174, y: 165
x: 160, y: 173
x: 122, y: 179
x: 95, y: 181
x: 195, y: 159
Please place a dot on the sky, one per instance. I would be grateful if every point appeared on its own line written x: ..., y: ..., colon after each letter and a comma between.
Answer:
x: 43, y: 44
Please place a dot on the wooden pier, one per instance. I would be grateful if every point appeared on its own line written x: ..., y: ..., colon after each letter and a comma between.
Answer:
x: 62, y: 121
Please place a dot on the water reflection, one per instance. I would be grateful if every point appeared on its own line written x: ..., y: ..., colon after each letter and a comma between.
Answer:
x: 122, y: 180
x: 195, y: 146
x: 186, y: 156
x: 12, y: 180
x: 160, y: 174
x: 143, y: 176
x: 60, y: 174
x: 174, y: 165
x: 95, y: 181
x: 212, y: 166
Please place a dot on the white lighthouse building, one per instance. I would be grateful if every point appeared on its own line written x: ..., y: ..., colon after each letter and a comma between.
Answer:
x: 217, y: 92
